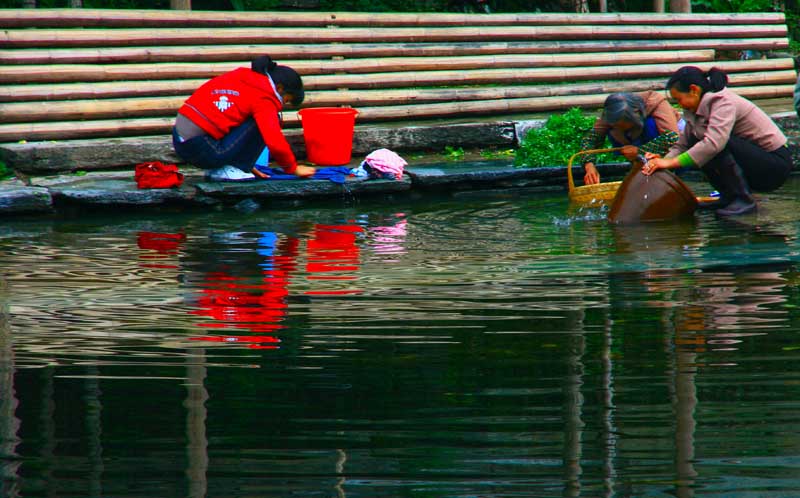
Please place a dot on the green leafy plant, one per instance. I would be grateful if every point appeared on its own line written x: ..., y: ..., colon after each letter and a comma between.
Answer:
x: 555, y: 142
x: 497, y: 154
x: 5, y: 172
x: 732, y: 5
x: 454, y: 153
x: 255, y: 5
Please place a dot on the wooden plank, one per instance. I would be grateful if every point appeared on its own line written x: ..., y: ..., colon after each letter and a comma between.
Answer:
x: 537, y: 75
x: 13, y: 133
x: 223, y: 53
x: 199, y: 36
x: 162, y: 126
x: 41, y: 18
x: 30, y: 112
x: 74, y: 91
x: 65, y: 73
x: 540, y: 104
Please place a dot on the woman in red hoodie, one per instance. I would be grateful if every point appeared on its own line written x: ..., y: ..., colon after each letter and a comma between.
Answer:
x: 233, y: 122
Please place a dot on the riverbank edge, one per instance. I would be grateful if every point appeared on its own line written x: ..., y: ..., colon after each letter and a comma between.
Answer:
x: 44, y: 187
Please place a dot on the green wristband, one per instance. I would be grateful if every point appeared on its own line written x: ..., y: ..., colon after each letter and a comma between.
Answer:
x: 686, y: 160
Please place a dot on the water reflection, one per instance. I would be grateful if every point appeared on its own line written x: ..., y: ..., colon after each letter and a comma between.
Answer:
x: 256, y: 298
x: 9, y: 423
x: 469, y: 349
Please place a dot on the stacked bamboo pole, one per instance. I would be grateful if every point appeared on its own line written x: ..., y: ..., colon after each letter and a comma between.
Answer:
x: 105, y: 73
x: 22, y: 38
x: 160, y: 18
x: 20, y: 112
x: 227, y: 53
x: 162, y: 125
x: 783, y: 69
x: 69, y: 73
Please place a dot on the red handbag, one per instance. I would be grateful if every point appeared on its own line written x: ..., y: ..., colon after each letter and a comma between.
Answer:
x: 156, y: 174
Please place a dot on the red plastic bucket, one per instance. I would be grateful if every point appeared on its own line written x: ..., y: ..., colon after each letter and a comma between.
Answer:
x: 328, y: 133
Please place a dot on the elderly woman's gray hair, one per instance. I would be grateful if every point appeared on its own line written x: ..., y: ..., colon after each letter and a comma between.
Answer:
x: 624, y: 107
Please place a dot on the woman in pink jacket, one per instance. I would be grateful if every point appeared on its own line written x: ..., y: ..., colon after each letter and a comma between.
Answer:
x: 729, y: 138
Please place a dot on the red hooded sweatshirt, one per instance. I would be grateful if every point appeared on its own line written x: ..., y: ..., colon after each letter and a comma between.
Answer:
x: 228, y: 100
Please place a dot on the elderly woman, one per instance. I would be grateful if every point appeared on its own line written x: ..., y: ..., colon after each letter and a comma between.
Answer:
x: 637, y: 122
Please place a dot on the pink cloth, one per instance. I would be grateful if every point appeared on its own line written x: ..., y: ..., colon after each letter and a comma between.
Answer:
x: 386, y: 161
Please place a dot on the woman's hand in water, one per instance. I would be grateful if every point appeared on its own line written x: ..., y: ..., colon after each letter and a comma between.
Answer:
x: 656, y: 162
x: 592, y: 176
x: 305, y: 171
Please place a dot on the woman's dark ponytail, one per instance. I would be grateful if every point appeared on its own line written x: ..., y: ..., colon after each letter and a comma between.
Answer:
x: 286, y: 76
x: 712, y: 80
x: 263, y: 64
x: 717, y: 78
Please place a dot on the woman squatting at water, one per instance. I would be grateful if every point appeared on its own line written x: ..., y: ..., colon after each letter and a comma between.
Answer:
x: 735, y: 143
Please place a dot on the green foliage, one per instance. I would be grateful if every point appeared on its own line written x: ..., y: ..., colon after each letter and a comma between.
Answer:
x: 793, y: 23
x: 454, y: 153
x: 5, y: 172
x: 255, y: 5
x: 497, y: 154
x: 555, y: 142
x: 732, y: 5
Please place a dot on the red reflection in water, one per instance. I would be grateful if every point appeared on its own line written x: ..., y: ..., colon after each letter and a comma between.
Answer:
x: 238, y: 303
x: 164, y: 246
x: 333, y: 255
x: 235, y: 302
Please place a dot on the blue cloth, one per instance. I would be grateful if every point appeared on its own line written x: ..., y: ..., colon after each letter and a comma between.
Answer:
x: 649, y: 132
x: 263, y: 159
x: 336, y: 174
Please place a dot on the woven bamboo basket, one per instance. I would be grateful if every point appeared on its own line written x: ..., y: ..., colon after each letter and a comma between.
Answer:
x: 591, y: 194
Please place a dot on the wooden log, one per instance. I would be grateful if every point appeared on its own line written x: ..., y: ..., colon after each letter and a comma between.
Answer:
x: 31, y: 112
x: 155, y: 126
x: 13, y: 133
x: 63, y: 73
x: 198, y: 36
x: 538, y: 75
x: 42, y: 18
x: 223, y: 53
x: 512, y: 106
x: 167, y: 106
x: 101, y: 90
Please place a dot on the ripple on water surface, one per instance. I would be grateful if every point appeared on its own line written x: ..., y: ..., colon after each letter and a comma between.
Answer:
x: 486, y: 347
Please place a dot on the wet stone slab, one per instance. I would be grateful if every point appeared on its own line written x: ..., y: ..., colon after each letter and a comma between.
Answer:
x: 299, y: 189
x: 114, y: 189
x: 494, y: 174
x: 16, y: 199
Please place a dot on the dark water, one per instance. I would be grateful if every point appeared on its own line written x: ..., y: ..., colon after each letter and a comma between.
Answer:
x: 483, y: 345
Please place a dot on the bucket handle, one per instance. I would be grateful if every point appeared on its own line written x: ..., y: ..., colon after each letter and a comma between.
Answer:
x: 570, y: 183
